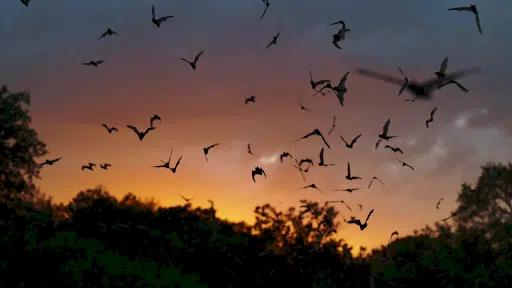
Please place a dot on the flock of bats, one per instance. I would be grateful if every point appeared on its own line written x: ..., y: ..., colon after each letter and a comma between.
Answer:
x: 419, y: 90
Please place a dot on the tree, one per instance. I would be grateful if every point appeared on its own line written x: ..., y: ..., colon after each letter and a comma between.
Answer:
x: 488, y: 206
x: 19, y: 144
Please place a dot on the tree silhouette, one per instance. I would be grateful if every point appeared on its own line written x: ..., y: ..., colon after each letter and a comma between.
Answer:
x: 488, y: 206
x: 19, y: 144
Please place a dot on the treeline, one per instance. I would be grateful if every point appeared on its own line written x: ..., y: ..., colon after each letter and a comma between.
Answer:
x: 97, y: 240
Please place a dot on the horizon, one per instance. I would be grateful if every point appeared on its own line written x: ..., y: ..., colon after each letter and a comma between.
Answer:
x: 143, y: 75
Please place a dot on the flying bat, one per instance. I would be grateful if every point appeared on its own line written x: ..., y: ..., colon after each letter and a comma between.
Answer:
x: 421, y: 90
x: 351, y: 145
x: 439, y: 203
x: 349, y: 190
x: 349, y: 175
x: 313, y: 185
x: 394, y: 149
x: 88, y: 166
x: 322, y: 163
x: 302, y: 107
x: 358, y: 222
x: 173, y: 169
x: 207, y: 149
x: 109, y: 129
x: 109, y: 32
x: 141, y: 135
x: 405, y: 164
x: 314, y: 84
x: 250, y: 99
x: 274, y: 40
x: 165, y: 164
x: 105, y: 166
x: 385, y: 129
x: 431, y: 117
x: 93, y: 63
x: 473, y: 10
x: 158, y: 21
x: 284, y: 155
x: 193, y: 64
x: 267, y: 4
x: 49, y: 162
x: 258, y: 171
x: 315, y: 132
x: 375, y: 178
x: 186, y: 199
x: 333, y: 125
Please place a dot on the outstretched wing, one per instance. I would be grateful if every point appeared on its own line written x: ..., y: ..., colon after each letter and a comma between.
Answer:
x: 105, y: 125
x: 433, y: 112
x: 103, y: 35
x: 153, y: 10
x: 429, y: 84
x: 355, y: 139
x: 386, y: 127
x: 322, y: 154
x: 477, y: 18
x: 162, y: 19
x: 460, y: 9
x: 343, y: 79
x: 355, y: 221
x: 149, y: 129
x: 369, y: 214
x: 133, y: 129
x: 444, y: 65
x: 379, y: 76
x: 198, y: 55
x: 178, y: 162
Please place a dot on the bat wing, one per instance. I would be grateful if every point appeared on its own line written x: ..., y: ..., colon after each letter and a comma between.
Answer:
x: 344, y: 79
x: 335, y: 43
x: 322, y: 154
x: 134, y: 129
x: 444, y: 65
x: 165, y: 18
x: 460, y: 9
x: 178, y: 163
x: 325, y: 142
x: 355, y: 139
x: 478, y: 22
x: 386, y: 127
x: 429, y: 84
x: 369, y: 214
x: 149, y: 129
x: 103, y: 35
x: 153, y: 10
x: 379, y: 76
x: 433, y: 112
x: 198, y: 56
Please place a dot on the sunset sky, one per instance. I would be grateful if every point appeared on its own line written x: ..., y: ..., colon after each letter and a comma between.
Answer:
x: 42, y: 47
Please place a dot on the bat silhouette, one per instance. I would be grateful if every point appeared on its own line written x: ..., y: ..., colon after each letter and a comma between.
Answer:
x: 249, y: 150
x: 358, y: 222
x: 340, y: 201
x: 322, y: 163
x: 49, y: 162
x: 385, y: 129
x: 456, y: 83
x: 405, y: 164
x: 173, y: 169
x: 431, y: 117
x: 267, y: 4
x: 194, y: 63
x: 153, y: 118
x: 207, y: 149
x: 375, y: 178
x: 302, y: 107
x: 258, y: 171
x: 250, y: 99
x: 186, y: 199
x: 439, y: 203
x: 341, y: 89
x: 274, y: 40
x: 165, y: 164
x: 333, y: 125
x: 141, y: 135
x: 395, y: 233
x: 377, y: 143
x: 315, y: 132
x: 394, y: 149
x: 313, y: 185
x: 351, y: 145
x: 314, y: 84
x: 88, y: 166
x: 25, y: 2
x: 349, y: 190
x: 109, y: 129
x: 349, y: 175
x: 93, y: 63
x: 473, y: 10
x: 283, y: 155
x: 343, y: 28
x: 421, y: 90
x: 160, y: 20
x: 105, y: 166
x: 109, y: 32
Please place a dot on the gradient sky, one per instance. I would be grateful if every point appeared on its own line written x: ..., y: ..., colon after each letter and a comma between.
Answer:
x: 44, y: 44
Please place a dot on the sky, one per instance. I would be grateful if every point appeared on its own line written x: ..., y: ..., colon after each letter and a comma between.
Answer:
x: 43, y: 46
